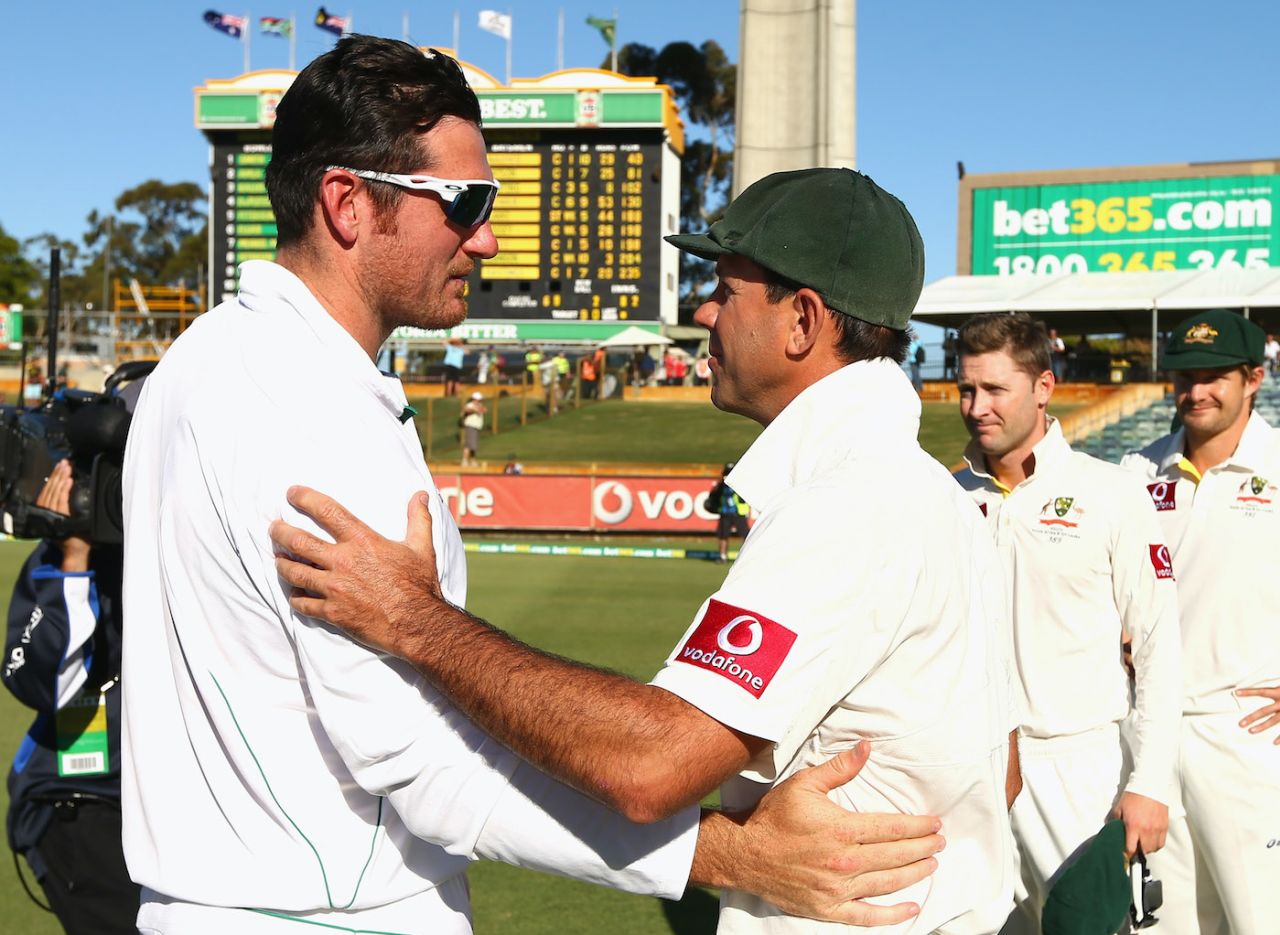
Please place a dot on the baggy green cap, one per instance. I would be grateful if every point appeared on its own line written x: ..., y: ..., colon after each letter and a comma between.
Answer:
x: 1093, y: 895
x: 833, y: 230
x: 1216, y: 338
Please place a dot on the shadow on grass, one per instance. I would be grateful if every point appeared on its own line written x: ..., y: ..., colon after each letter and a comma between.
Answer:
x: 696, y: 914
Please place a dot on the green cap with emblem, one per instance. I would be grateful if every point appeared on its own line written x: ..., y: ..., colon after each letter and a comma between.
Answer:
x: 833, y: 230
x: 1093, y: 895
x: 1216, y: 338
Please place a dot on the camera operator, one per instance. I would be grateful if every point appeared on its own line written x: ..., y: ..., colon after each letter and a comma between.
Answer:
x: 62, y: 658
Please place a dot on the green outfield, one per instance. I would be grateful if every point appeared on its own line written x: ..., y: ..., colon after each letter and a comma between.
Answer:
x: 659, y: 433
x: 621, y: 613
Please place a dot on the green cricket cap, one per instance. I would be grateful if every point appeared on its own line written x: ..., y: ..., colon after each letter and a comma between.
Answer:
x: 1093, y: 895
x: 833, y: 230
x: 1216, y: 338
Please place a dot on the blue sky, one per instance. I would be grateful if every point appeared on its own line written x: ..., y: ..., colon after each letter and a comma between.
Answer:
x: 97, y: 97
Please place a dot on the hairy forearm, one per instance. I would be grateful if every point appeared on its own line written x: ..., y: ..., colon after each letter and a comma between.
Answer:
x: 624, y: 743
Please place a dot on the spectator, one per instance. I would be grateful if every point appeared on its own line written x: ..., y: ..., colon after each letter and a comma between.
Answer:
x: 563, y: 369
x: 483, y: 362
x: 915, y: 357
x: 647, y: 367
x: 472, y: 422
x: 588, y: 375
x: 601, y: 359
x: 731, y: 509
x: 533, y: 364
x: 454, y: 352
x: 702, y: 370
x: 1057, y: 355
x: 949, y: 346
x: 512, y: 466
x: 1271, y: 354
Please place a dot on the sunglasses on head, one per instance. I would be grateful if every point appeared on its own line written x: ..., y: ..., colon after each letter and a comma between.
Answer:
x: 467, y: 202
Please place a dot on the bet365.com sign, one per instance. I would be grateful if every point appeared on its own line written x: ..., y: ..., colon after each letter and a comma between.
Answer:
x: 1222, y: 222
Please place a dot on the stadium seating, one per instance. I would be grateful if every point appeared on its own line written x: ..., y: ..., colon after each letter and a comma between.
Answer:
x: 1146, y: 425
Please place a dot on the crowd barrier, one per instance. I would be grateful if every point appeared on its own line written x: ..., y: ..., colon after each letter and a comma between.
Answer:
x: 629, y: 503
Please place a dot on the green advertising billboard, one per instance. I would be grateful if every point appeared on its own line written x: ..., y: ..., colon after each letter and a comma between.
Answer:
x: 1220, y: 222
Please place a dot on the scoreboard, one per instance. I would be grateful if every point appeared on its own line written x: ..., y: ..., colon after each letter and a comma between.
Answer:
x: 590, y: 184
x: 242, y: 226
x: 571, y: 220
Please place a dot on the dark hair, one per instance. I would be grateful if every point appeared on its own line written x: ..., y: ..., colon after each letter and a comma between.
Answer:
x: 1015, y: 333
x: 364, y: 105
x: 855, y: 339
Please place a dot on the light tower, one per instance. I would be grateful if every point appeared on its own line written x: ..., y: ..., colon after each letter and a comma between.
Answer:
x: 796, y: 82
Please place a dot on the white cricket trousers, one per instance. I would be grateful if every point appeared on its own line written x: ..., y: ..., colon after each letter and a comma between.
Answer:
x: 1069, y: 786
x: 1221, y: 865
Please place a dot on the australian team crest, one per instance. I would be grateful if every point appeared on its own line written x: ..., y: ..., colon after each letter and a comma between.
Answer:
x: 1202, y: 333
x: 1061, y: 512
x: 1257, y: 491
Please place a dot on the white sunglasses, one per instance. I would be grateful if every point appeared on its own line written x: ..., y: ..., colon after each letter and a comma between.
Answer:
x: 468, y: 202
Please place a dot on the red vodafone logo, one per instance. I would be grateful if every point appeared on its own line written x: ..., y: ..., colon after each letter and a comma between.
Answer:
x: 755, y: 635
x: 741, y: 645
x: 1162, y: 561
x: 1164, y: 494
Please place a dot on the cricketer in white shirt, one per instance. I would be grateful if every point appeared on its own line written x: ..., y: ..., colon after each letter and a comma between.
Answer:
x: 867, y: 602
x: 1087, y: 568
x: 1222, y: 526
x: 276, y: 771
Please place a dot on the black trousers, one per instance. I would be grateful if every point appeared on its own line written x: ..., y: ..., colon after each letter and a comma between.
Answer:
x: 87, y: 884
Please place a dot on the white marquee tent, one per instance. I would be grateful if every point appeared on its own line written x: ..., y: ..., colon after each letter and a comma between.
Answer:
x: 1101, y: 303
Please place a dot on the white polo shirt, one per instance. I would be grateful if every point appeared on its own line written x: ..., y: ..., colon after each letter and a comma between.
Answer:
x: 270, y: 762
x: 1086, y: 563
x: 1224, y: 532
x: 867, y: 602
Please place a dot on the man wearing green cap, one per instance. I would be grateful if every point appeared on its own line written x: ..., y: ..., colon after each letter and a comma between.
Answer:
x: 866, y: 602
x: 1215, y: 485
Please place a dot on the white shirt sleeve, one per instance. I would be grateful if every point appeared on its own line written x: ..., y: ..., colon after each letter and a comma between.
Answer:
x: 449, y: 782
x: 1146, y: 597
x: 815, y: 640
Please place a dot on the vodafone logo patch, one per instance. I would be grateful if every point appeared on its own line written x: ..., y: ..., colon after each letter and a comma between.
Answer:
x: 1164, y: 495
x: 743, y: 646
x: 1162, y: 561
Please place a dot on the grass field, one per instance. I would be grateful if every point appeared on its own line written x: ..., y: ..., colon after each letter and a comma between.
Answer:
x: 621, y: 613
x: 660, y: 433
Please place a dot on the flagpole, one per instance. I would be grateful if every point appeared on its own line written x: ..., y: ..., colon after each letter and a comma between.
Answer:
x: 613, y: 46
x: 511, y: 30
x: 248, y: 29
x: 560, y: 42
x: 293, y: 41
x: 351, y: 24
x: 457, y: 33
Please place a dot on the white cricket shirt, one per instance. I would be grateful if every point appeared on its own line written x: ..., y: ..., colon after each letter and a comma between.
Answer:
x: 1224, y: 532
x: 1086, y: 564
x: 867, y: 602
x: 270, y: 762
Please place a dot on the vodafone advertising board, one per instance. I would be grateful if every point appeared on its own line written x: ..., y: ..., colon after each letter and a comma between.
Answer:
x: 602, y: 504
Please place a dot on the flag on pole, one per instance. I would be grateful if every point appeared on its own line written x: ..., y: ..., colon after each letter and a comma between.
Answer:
x: 330, y: 23
x: 608, y: 28
x: 497, y: 23
x: 233, y: 26
x: 275, y: 26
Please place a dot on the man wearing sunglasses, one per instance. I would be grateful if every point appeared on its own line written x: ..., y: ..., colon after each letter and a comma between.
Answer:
x: 276, y: 772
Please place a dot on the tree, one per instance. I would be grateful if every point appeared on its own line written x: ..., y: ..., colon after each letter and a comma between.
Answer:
x: 158, y: 235
x: 19, y: 278
x: 704, y: 82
